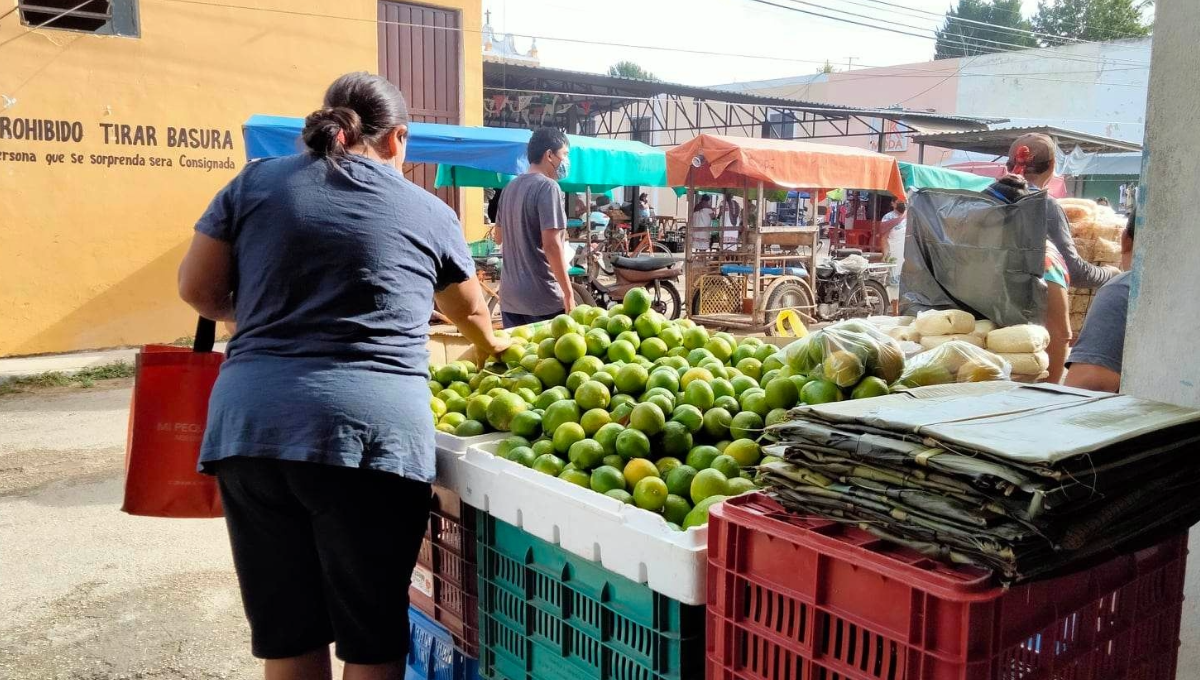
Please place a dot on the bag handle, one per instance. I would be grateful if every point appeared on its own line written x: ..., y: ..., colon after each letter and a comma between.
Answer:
x: 206, y: 335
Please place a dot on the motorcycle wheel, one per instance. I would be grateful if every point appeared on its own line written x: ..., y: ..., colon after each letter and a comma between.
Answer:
x: 582, y: 295
x: 790, y: 295
x: 869, y: 300
x: 665, y: 299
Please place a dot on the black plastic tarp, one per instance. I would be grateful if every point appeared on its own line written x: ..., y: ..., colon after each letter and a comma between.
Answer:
x: 966, y: 250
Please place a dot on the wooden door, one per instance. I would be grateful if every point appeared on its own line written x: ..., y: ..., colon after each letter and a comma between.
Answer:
x: 420, y: 51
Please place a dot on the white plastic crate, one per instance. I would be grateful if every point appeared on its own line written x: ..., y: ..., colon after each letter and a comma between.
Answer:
x: 624, y: 539
x: 459, y: 445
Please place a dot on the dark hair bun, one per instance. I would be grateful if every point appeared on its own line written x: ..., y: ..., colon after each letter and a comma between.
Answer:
x: 329, y: 132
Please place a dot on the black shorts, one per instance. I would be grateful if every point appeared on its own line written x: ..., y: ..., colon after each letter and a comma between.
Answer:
x: 323, y: 554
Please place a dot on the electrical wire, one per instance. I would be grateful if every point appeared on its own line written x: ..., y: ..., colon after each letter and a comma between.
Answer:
x: 47, y: 22
x: 984, y: 23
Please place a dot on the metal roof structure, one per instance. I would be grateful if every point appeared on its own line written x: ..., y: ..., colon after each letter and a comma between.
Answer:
x: 996, y: 142
x: 603, y: 105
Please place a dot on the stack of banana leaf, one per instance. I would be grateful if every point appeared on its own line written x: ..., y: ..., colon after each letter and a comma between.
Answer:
x: 1028, y: 480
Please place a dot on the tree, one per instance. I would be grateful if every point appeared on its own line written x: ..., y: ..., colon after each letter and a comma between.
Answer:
x: 959, y: 36
x: 827, y: 68
x: 1094, y: 20
x: 628, y: 69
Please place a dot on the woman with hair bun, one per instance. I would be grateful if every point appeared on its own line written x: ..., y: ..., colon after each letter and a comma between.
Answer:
x: 319, y: 429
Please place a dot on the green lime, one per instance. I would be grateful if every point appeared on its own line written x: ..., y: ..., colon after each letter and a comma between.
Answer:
x: 594, y: 419
x: 746, y: 425
x: 722, y: 388
x: 637, y: 301
x: 545, y: 399
x: 545, y: 349
x: 632, y: 379
x: 584, y: 453
x: 697, y: 356
x: 695, y: 338
x: 469, y: 428
x: 744, y: 451
x: 583, y: 314
x: 699, y: 394
x: 767, y: 377
x: 870, y: 386
x: 666, y: 464
x: 575, y: 380
x: 445, y: 427
x: 698, y: 517
x: 678, y: 352
x: 620, y: 414
x: 503, y: 409
x: 820, y: 392
x: 616, y: 310
x: 665, y: 377
x: 650, y: 494
x: 755, y: 400
x: 451, y: 373
x: 622, y: 351
x: 576, y: 477
x: 719, y: 348
x: 592, y: 394
x: 453, y: 419
x: 702, y: 456
x: 638, y: 469
x: 589, y: 365
x: 740, y: 485
x: 649, y: 325
x: 522, y: 455
x: 653, y: 349
x: 551, y: 372
x: 562, y: 325
x: 676, y: 439
x: 606, y: 436
x: 512, y: 355
x: 717, y: 422
x: 730, y: 404
x: 605, y: 379
x: 632, y: 443
x: 770, y: 459
x: 477, y: 407
x: 726, y: 464
x: 708, y: 483
x: 568, y: 434
x: 617, y: 324
x: 692, y: 375
x: 765, y: 351
x: 621, y: 495
x: 509, y: 443
x: 618, y: 399
x: 781, y: 393
x: 679, y: 480
x: 543, y: 446
x: 559, y: 413
x: 743, y: 383
x: 722, y: 444
x: 613, y: 460
x: 843, y: 368
x: 690, y: 416
x: 631, y: 337
x: 676, y: 508
x: 672, y: 336
x: 776, y: 416
x: 597, y: 342
x: 454, y: 403
x: 605, y: 479
x: 648, y: 418
x: 600, y: 323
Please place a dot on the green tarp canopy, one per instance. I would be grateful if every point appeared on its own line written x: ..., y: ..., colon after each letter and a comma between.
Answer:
x: 930, y: 177
x: 598, y: 165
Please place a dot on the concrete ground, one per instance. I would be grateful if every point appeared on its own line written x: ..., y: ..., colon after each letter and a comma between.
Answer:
x: 89, y: 593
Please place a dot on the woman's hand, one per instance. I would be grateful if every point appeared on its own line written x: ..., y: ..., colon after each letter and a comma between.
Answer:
x: 493, y: 349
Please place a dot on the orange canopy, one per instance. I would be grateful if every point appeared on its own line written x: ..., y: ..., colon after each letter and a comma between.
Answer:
x: 728, y: 162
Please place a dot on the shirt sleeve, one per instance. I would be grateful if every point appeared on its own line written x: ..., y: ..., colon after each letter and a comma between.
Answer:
x: 1083, y: 274
x: 1102, y: 340
x: 550, y: 211
x: 219, y: 221
x: 454, y: 262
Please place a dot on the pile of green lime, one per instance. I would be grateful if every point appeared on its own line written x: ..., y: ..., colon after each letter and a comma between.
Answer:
x: 656, y: 413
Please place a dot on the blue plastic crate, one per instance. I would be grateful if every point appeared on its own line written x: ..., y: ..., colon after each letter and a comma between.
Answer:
x: 431, y: 653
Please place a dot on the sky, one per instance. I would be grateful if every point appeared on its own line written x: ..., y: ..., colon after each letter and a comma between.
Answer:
x: 773, y: 42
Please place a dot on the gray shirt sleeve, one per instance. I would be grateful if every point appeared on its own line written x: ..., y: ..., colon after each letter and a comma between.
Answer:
x: 550, y: 211
x: 1102, y: 340
x: 1084, y: 274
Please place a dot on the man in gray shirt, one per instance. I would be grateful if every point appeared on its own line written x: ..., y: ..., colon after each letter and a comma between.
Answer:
x: 1095, y: 361
x: 531, y: 224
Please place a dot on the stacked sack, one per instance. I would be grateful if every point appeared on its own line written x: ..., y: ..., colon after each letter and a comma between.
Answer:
x: 1022, y: 348
x: 1096, y: 230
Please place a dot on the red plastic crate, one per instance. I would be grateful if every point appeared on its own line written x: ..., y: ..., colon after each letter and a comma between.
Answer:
x: 792, y: 598
x: 444, y: 583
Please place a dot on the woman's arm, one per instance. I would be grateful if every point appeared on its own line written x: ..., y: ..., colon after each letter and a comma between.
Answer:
x: 1084, y: 274
x: 206, y: 278
x: 1058, y: 325
x: 463, y: 304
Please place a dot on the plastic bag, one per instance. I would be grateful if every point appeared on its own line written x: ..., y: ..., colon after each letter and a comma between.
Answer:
x: 944, y: 322
x: 951, y: 362
x: 845, y: 353
x: 1018, y: 339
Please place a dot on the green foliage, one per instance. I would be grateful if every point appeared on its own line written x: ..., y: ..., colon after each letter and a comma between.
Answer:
x: 1093, y: 20
x: 964, y: 39
x: 85, y: 378
x: 629, y: 69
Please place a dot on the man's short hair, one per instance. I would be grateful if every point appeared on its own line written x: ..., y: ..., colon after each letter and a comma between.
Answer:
x: 543, y: 140
x: 1129, y: 226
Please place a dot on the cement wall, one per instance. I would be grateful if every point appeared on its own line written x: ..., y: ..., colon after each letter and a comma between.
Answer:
x: 1164, y: 319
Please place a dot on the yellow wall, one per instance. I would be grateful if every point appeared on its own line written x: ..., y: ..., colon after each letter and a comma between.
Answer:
x: 88, y: 253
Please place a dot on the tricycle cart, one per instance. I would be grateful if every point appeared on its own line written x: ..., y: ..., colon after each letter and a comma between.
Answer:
x: 745, y: 283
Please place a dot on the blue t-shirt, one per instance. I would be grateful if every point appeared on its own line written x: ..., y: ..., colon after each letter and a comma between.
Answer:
x: 336, y: 267
x: 1102, y: 340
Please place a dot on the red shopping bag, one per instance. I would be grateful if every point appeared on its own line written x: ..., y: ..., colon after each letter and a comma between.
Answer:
x: 166, y: 425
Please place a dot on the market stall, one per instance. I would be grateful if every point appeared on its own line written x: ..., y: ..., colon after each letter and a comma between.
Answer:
x: 768, y: 269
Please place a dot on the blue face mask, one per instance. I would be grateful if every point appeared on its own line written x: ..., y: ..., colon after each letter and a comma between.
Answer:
x: 563, y: 169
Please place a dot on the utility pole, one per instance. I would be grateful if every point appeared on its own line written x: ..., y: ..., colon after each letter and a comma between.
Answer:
x: 850, y: 62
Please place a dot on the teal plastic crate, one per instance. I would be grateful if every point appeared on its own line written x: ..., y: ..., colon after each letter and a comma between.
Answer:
x: 547, y: 614
x: 482, y: 248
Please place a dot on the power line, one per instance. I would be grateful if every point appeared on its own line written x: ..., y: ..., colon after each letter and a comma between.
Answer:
x: 44, y: 24
x: 920, y: 13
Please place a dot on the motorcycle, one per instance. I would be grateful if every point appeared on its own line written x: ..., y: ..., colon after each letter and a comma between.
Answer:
x: 851, y: 288
x: 658, y: 275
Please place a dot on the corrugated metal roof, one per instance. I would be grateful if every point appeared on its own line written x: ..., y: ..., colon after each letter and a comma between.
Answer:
x: 997, y: 141
x: 501, y: 75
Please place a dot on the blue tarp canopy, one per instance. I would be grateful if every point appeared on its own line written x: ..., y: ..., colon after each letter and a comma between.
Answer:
x: 484, y: 156
x: 499, y: 150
